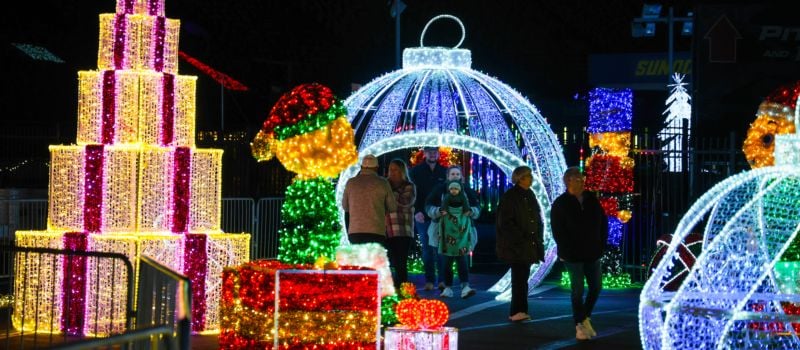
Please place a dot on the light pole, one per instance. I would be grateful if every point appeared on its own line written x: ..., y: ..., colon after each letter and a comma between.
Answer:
x: 397, y: 7
x: 645, y: 26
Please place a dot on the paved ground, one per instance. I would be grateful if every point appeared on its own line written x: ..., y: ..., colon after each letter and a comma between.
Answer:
x: 483, y: 322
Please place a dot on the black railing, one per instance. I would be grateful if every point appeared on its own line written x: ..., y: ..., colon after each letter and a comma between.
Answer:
x: 34, y: 316
x: 164, y: 300
x: 33, y: 303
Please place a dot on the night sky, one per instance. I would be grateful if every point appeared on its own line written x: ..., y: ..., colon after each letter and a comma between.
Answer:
x: 538, y: 47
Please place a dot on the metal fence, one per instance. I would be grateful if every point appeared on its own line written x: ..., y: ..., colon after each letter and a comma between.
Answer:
x: 31, y: 314
x: 259, y: 218
x: 668, y: 178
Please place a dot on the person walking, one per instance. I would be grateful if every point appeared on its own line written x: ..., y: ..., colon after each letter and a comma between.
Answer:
x: 425, y: 177
x: 436, y: 207
x: 367, y: 198
x: 580, y: 229
x: 519, y: 237
x: 399, y: 223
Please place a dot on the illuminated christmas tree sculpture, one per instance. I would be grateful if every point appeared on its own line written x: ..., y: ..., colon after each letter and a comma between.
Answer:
x: 133, y: 184
x: 672, y: 135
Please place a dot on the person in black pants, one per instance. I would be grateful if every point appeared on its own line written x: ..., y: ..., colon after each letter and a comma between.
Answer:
x: 425, y: 177
x: 580, y: 229
x: 519, y: 237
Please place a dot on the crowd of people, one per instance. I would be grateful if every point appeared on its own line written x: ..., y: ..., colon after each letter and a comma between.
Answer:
x: 434, y: 205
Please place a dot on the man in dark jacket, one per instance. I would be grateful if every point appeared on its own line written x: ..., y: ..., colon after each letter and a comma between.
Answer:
x: 426, y: 176
x: 519, y: 237
x: 580, y: 229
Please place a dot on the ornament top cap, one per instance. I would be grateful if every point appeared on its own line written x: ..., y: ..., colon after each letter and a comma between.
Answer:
x: 438, y: 57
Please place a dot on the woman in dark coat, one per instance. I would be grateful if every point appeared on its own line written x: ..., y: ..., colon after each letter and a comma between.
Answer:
x: 519, y: 237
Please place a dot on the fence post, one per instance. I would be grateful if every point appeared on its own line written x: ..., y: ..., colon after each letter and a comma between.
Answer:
x: 255, y: 240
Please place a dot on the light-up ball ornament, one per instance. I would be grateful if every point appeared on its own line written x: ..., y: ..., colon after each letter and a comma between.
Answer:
x: 748, y: 222
x: 307, y: 130
x: 775, y: 116
x: 422, y: 314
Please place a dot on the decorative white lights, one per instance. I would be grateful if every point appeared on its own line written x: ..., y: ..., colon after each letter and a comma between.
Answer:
x: 672, y: 135
x: 741, y: 292
x: 438, y: 100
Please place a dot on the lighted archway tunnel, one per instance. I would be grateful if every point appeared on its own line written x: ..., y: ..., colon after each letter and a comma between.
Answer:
x: 437, y: 99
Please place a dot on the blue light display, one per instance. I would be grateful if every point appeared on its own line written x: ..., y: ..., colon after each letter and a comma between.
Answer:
x: 610, y: 110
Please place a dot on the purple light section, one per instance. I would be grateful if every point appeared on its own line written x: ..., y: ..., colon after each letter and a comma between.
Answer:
x: 168, y: 110
x: 73, y: 298
x: 181, y: 189
x: 196, y: 267
x: 93, y: 188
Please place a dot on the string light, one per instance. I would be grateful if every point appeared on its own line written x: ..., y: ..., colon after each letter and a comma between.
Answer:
x: 307, y: 131
x: 135, y: 184
x: 138, y: 42
x: 688, y: 251
x: 439, y: 100
x: 774, y: 117
x: 222, y: 78
x: 610, y: 110
x: 749, y: 221
x: 609, y: 171
x: 271, y: 303
x: 309, y: 228
x: 422, y: 314
x: 408, y: 338
x: 371, y: 255
x: 672, y: 134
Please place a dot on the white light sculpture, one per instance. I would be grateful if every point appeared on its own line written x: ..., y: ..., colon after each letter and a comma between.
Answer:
x: 437, y: 99
x: 736, y: 294
x: 679, y: 110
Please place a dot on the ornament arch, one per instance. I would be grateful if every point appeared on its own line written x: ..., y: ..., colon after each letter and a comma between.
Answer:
x: 437, y: 99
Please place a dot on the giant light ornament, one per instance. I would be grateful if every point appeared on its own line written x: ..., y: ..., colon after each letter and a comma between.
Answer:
x: 738, y: 294
x: 436, y: 99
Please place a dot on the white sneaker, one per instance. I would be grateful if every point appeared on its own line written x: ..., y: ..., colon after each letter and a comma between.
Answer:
x: 587, y: 326
x: 467, y: 292
x: 447, y: 293
x: 581, y: 333
x: 519, y: 316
